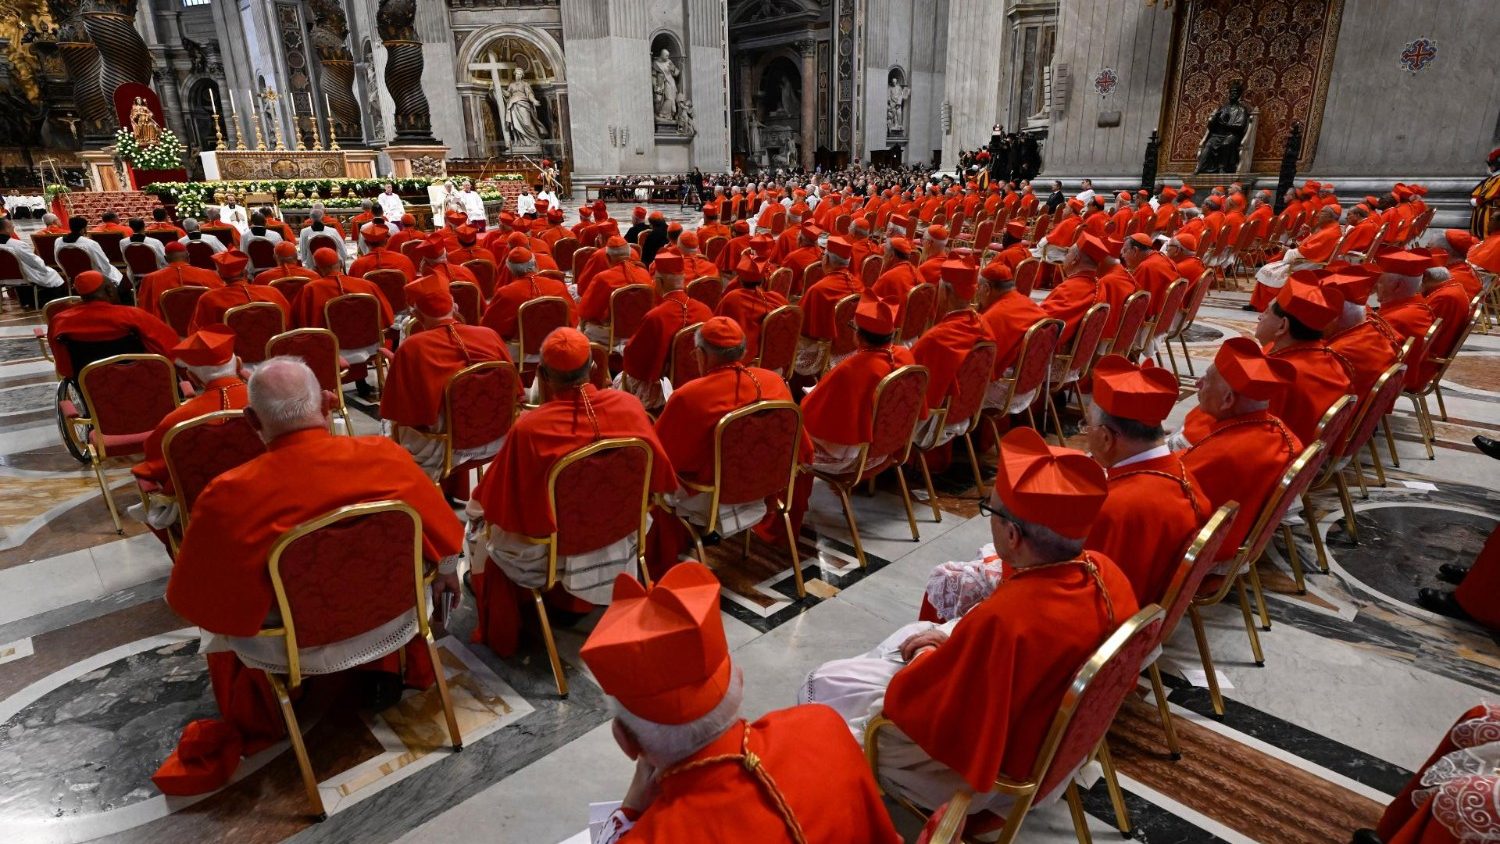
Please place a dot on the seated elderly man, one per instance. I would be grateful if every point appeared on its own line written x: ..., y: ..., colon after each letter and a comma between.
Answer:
x: 593, y: 303
x: 317, y: 225
x: 208, y: 356
x: 944, y: 347
x: 33, y: 269
x: 1155, y: 505
x: 686, y: 430
x: 504, y: 309
x: 1402, y: 307
x: 237, y: 290
x: 819, y: 302
x: 307, y: 310
x: 1313, y: 251
x: 1240, y: 449
x: 1363, y: 341
x: 512, y: 497
x: 377, y: 256
x: 99, y: 318
x: 702, y: 772
x: 287, y: 266
x: 1079, y: 289
x: 77, y: 237
x: 193, y: 235
x: 750, y: 302
x: 1292, y: 329
x: 418, y: 379
x: 221, y: 582
x: 177, y: 273
x: 647, y: 353
x: 972, y: 699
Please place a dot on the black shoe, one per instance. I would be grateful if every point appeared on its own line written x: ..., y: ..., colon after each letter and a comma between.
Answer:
x: 1452, y: 573
x: 385, y: 690
x: 1488, y: 446
x: 711, y: 539
x: 1247, y: 307
x: 1366, y: 836
x: 363, y: 389
x: 1441, y: 602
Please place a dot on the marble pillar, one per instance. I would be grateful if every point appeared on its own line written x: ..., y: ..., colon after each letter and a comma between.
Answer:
x: 808, y: 48
x: 403, y: 71
x: 474, y: 97
x: 329, y: 34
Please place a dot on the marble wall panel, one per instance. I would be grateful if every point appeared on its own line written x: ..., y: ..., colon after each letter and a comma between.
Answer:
x: 978, y: 39
x: 913, y: 35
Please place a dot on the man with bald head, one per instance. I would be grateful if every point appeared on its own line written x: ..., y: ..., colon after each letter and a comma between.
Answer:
x: 221, y: 581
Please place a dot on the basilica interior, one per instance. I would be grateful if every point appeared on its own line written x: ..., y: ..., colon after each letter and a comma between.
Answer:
x: 308, y: 108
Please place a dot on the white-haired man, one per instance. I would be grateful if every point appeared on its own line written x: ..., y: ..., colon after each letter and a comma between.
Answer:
x: 33, y: 269
x: 193, y: 235
x: 317, y: 225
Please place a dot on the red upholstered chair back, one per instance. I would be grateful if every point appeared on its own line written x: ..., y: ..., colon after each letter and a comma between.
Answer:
x: 713, y: 246
x: 1086, y: 342
x: 1192, y: 303
x: 911, y: 226
x: 57, y: 306
x: 469, y: 300
x: 580, y: 257
x: 1132, y: 317
x: 392, y: 284
x: 844, y: 339
x: 164, y: 236
x: 1381, y: 400
x: 707, y: 289
x: 10, y: 268
x: 407, y: 246
x: 1034, y: 363
x: 1296, y: 480
x: 481, y: 403
x: 140, y: 259
x: 917, y: 313
x: 778, y: 222
x: 128, y: 394
x: 1171, y: 306
x: 779, y: 331
x: 682, y: 363
x: 1038, y: 231
x: 200, y: 254
x: 45, y: 246
x: 755, y: 451
x: 563, y: 249
x: 318, y: 348
x: 781, y: 281
x: 326, y: 241
x: 290, y: 286
x: 347, y: 572
x: 1095, y: 696
x: 1333, y: 428
x: 628, y: 307
x: 869, y: 271
x: 841, y: 224
x: 983, y: 232
x: 556, y: 275
x: 1026, y: 274
x: 72, y: 260
x: 973, y: 379
x: 599, y: 493
x: 899, y: 400
x: 1196, y: 563
x: 1419, y: 354
x: 536, y: 318
x: 483, y: 270
x: 599, y: 374
x: 354, y: 318
x: 810, y: 277
x: 262, y: 254
x: 199, y: 450
x: 254, y: 324
x: 110, y: 243
x: 177, y: 306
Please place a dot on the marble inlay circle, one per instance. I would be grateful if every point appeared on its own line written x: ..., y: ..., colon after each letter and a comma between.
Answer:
x: 1430, y: 534
x: 1207, y: 333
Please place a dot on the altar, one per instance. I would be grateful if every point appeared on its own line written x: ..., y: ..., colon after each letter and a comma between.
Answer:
x: 249, y: 165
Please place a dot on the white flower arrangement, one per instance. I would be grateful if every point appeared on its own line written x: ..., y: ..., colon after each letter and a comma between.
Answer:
x: 165, y: 154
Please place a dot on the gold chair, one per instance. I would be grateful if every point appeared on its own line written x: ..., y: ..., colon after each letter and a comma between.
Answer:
x: 124, y: 398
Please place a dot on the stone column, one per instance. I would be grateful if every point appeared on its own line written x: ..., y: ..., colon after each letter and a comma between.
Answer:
x: 396, y: 21
x: 809, y: 50
x: 747, y: 110
x: 171, y: 100
x: 111, y: 25
x: 329, y: 34
x: 81, y: 59
x: 474, y: 97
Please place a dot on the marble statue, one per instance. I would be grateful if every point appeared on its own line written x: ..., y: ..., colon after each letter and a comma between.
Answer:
x: 520, y: 114
x: 1220, y: 150
x: 793, y: 155
x: 664, y: 75
x: 685, y: 118
x: 790, y: 102
x: 895, y: 107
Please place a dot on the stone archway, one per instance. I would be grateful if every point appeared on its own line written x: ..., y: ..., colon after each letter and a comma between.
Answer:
x: 507, y: 119
x: 771, y: 102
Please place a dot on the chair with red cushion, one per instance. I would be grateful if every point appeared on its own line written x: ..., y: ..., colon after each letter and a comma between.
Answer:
x: 407, y: 246
x: 973, y: 378
x: 898, y: 404
x: 917, y: 313
x: 319, y: 349
x: 1186, y: 316
x: 45, y: 247
x: 480, y: 402
x: 535, y: 319
x: 755, y: 459
x: 392, y: 284
x: 1155, y: 329
x: 177, y: 306
x: 1294, y: 482
x: 1336, y: 431
x: 484, y: 271
x: 354, y: 318
x: 110, y: 243
x: 708, y: 289
x: 140, y: 260
x: 254, y: 324
x: 780, y: 281
x: 50, y: 310
x: 1039, y: 230
x: 580, y: 258
x: 1196, y: 563
x: 327, y: 241
x: 124, y: 398
x: 378, y: 547
x: 810, y: 277
x: 290, y: 286
x: 1133, y: 314
x: 468, y: 298
x: 841, y: 224
x: 72, y: 260
x: 198, y: 450
x: 1028, y: 378
x: 599, y: 374
x: 262, y: 254
x: 1071, y: 367
x: 779, y: 332
x: 682, y: 360
x: 844, y: 341
x: 869, y: 271
x: 713, y: 246
x: 562, y: 250
x: 200, y: 254
x: 628, y: 307
x: 598, y: 495
x: 1076, y: 737
x: 1026, y: 275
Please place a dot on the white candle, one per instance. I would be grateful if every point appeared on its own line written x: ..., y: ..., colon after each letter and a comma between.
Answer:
x: 232, y: 109
x: 213, y: 103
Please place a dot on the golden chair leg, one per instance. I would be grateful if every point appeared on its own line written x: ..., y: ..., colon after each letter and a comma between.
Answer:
x: 1375, y: 459
x: 1359, y: 477
x: 1348, y: 503
x: 1056, y: 419
x: 1317, y: 536
x: 1422, y: 426
x: 1260, y: 597
x: 1165, y: 711
x: 1431, y: 428
x: 294, y: 732
x: 791, y: 544
x: 937, y: 515
x: 1437, y: 390
x: 454, y: 737
x: 973, y: 463
x: 557, y: 666
x: 859, y: 548
x: 1260, y: 657
x: 1080, y: 820
x: 109, y: 500
x: 745, y: 545
x: 1204, y: 653
x: 1186, y: 358
x: 1112, y: 784
x: 1171, y: 359
x: 1293, y: 557
x: 1390, y: 443
x: 911, y: 518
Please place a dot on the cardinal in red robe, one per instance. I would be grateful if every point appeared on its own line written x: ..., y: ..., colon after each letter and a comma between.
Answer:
x: 1361, y: 339
x: 650, y: 349
x: 1402, y: 307
x: 237, y: 290
x: 307, y: 311
x: 380, y: 257
x: 1079, y: 289
x: 97, y: 319
x: 286, y: 267
x: 502, y: 315
x: 208, y: 352
x: 1291, y: 329
x: 177, y: 273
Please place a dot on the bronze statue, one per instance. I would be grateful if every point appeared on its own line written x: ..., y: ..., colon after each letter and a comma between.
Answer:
x: 143, y: 124
x: 1220, y: 150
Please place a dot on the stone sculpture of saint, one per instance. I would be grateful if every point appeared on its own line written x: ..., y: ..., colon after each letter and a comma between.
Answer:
x: 664, y: 75
x: 1220, y: 151
x: 789, y: 99
x: 895, y: 107
x: 520, y: 113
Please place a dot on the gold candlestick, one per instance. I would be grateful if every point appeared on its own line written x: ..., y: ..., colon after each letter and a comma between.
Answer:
x: 312, y: 123
x: 213, y: 106
x: 333, y: 139
x: 239, y: 133
x: 271, y: 97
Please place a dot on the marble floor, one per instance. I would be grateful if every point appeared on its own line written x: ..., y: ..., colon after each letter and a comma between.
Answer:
x: 98, y: 677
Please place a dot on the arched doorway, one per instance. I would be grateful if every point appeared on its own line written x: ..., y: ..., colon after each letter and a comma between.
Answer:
x: 521, y: 109
x: 201, y: 114
x: 778, y: 111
